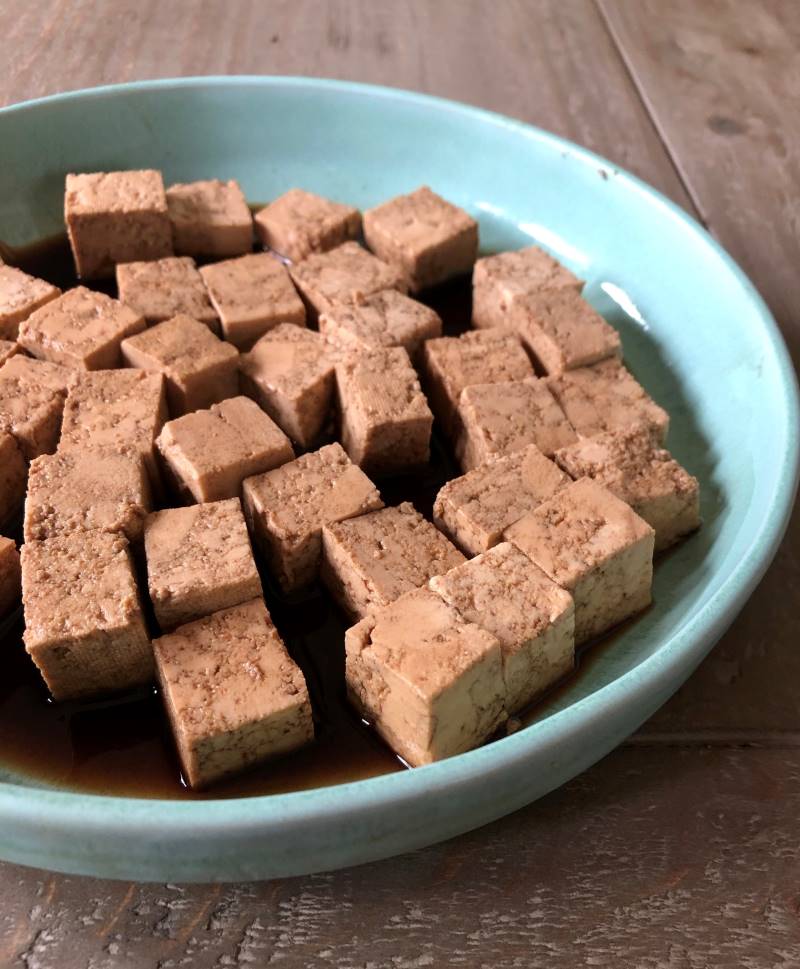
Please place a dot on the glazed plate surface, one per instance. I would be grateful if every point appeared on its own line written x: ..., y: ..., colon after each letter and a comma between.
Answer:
x: 694, y: 330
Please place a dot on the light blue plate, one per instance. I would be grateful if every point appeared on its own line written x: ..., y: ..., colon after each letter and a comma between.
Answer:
x: 695, y: 332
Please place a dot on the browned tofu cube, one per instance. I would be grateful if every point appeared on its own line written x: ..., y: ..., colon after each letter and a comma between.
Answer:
x: 385, y: 319
x: 428, y: 681
x: 476, y: 509
x: 532, y: 618
x: 84, y: 627
x: 233, y: 694
x: 32, y: 396
x: 371, y: 560
x: 13, y: 476
x: 251, y: 295
x: 8, y: 349
x: 450, y: 364
x: 103, y: 489
x: 385, y: 419
x: 427, y: 237
x: 290, y: 373
x: 116, y: 217
x: 342, y: 275
x: 199, y: 560
x: 299, y: 223
x: 165, y: 288
x: 200, y: 369
x: 595, y: 546
x: 287, y: 508
x: 500, y: 280
x: 606, y: 397
x: 209, y: 218
x: 632, y: 465
x: 121, y: 409
x: 10, y: 575
x: 20, y: 295
x: 209, y: 453
x: 500, y: 418
x: 81, y: 329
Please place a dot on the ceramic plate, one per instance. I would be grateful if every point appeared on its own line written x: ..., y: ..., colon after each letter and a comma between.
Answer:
x: 695, y: 332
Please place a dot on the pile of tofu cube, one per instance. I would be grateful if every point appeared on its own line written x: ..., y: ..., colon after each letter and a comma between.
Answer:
x: 235, y: 393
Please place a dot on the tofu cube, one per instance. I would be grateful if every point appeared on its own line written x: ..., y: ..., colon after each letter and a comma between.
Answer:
x: 371, y: 560
x: 20, y: 295
x: 199, y: 369
x: 606, y: 397
x: 287, y: 508
x: 385, y: 419
x: 450, y: 363
x: 290, y: 373
x: 32, y: 396
x: 120, y: 409
x: 299, y: 223
x: 251, y: 295
x: 115, y: 217
x: 81, y: 329
x: 532, y: 618
x: 233, y: 695
x: 498, y: 281
x: 385, y: 319
x: 165, y: 288
x: 595, y: 546
x: 199, y: 560
x: 630, y: 463
x: 496, y: 419
x: 10, y: 575
x: 429, y: 682
x: 13, y: 476
x: 210, y: 218
x: 84, y: 627
x: 476, y: 509
x: 8, y: 349
x: 209, y: 453
x: 428, y: 238
x: 342, y: 275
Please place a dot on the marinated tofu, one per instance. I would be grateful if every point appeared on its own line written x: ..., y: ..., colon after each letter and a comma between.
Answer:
x: 10, y: 574
x: 20, y: 295
x: 165, y: 288
x: 13, y: 476
x: 32, y: 394
x: 299, y: 223
x: 371, y: 560
x: 209, y: 218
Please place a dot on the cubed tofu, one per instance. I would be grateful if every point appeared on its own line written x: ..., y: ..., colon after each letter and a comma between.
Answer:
x: 122, y: 409
x: 210, y: 218
x: 10, y: 575
x: 562, y: 331
x: 115, y: 217
x: 13, y: 476
x: 251, y: 295
x: 449, y: 364
x: 287, y: 508
x: 199, y: 560
x: 20, y: 295
x: 233, y: 695
x: 342, y: 275
x: 632, y: 465
x: 8, y: 349
x: 476, y: 509
x: 101, y: 489
x: 606, y: 397
x: 209, y: 453
x: 385, y: 419
x: 299, y: 223
x: 32, y: 394
x: 385, y: 319
x: 594, y: 545
x: 429, y: 682
x: 533, y: 618
x: 427, y: 237
x: 290, y: 373
x: 371, y: 560
x: 81, y: 329
x: 496, y: 419
x: 84, y: 627
x: 499, y: 280
x: 165, y: 288
x: 199, y: 369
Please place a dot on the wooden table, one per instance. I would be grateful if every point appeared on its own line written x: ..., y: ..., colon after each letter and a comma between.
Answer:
x: 681, y: 849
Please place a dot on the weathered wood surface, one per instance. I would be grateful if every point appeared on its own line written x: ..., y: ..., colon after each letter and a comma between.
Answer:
x: 668, y: 854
